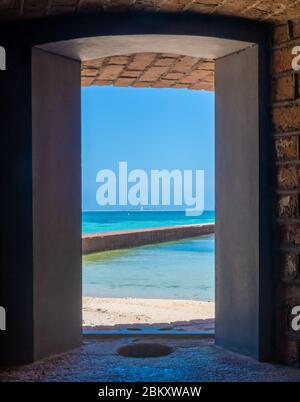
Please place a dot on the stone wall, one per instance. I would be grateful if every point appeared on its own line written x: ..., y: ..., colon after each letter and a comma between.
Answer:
x: 132, y: 238
x: 286, y: 130
x: 150, y: 70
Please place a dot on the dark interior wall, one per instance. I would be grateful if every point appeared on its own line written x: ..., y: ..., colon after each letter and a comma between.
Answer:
x: 16, y: 285
x: 56, y: 171
x: 240, y: 294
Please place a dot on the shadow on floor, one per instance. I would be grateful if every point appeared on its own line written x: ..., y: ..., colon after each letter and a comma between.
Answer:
x: 191, y: 360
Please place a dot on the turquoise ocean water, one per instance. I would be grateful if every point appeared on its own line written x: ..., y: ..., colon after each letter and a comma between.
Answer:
x: 93, y: 222
x: 175, y: 270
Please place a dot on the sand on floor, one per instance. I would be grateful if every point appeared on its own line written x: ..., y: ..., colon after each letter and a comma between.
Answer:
x: 108, y: 313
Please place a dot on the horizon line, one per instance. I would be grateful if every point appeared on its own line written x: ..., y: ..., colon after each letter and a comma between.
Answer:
x: 139, y: 210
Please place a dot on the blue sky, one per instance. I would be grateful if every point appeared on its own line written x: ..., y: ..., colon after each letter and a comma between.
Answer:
x: 148, y: 128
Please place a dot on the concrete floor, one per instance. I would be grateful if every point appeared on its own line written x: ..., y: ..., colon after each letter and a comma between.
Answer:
x: 192, y: 360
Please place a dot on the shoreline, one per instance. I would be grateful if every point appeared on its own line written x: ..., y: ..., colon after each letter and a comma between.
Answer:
x: 132, y: 313
x: 114, y: 240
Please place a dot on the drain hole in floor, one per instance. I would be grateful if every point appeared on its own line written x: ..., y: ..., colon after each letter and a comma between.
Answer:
x: 145, y: 350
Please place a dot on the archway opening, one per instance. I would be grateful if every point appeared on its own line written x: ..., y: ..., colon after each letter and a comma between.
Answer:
x: 53, y: 268
x: 156, y: 283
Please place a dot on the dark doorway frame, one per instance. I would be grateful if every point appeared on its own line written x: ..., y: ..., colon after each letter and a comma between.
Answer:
x: 37, y: 325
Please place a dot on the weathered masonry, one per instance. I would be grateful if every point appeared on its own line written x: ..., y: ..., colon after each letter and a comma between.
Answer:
x: 116, y: 240
x: 246, y: 60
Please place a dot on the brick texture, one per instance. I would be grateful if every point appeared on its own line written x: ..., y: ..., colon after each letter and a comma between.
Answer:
x: 286, y: 130
x: 274, y: 10
x: 150, y: 70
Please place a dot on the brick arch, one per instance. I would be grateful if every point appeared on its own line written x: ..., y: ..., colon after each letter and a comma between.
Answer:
x: 253, y: 9
x: 152, y: 70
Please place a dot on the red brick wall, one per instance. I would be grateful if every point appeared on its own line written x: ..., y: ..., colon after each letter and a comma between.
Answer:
x: 151, y: 70
x: 286, y: 130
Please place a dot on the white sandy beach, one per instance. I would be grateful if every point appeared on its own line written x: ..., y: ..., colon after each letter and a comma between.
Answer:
x: 105, y: 313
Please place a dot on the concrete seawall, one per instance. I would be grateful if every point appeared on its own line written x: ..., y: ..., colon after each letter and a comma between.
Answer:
x: 105, y: 241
